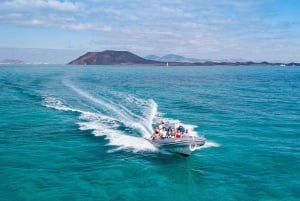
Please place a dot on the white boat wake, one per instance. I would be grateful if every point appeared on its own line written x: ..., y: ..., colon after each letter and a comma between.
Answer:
x: 124, y: 120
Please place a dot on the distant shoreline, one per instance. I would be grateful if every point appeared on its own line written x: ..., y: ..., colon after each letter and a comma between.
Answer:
x: 111, y: 57
x: 159, y: 65
x: 125, y: 58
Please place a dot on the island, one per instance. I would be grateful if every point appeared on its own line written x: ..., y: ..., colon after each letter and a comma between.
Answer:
x: 112, y: 57
x: 11, y: 61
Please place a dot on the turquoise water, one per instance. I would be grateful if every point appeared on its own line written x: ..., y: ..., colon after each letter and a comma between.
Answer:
x: 76, y: 133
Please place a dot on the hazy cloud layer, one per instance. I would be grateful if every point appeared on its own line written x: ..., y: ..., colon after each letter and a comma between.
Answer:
x: 249, y: 29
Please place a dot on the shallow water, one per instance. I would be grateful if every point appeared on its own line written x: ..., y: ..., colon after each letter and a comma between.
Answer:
x: 77, y: 133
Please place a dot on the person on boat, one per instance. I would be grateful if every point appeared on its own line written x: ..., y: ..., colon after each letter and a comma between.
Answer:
x: 182, y: 129
x: 168, y: 132
x: 157, y: 134
x: 172, y: 133
x: 178, y: 134
x: 165, y: 133
x: 161, y: 125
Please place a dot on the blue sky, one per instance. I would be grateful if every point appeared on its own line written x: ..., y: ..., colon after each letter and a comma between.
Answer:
x: 205, y: 29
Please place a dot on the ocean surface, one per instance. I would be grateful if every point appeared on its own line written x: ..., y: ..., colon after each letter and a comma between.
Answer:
x: 77, y: 133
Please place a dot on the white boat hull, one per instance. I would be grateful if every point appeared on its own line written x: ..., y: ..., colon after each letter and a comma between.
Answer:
x: 183, y: 146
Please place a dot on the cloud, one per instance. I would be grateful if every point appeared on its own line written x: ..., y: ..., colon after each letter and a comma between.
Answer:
x: 42, y: 4
x: 190, y: 27
x: 49, y: 13
x: 87, y: 26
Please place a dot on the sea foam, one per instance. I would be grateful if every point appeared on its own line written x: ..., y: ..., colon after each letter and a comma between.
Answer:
x: 123, y: 119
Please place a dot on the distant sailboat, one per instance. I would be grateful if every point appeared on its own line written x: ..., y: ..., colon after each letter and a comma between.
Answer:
x: 167, y: 64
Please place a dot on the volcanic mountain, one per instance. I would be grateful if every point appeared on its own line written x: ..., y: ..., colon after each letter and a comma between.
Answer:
x: 111, y: 57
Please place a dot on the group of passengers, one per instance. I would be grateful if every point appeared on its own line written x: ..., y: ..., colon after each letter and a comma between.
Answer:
x: 167, y: 131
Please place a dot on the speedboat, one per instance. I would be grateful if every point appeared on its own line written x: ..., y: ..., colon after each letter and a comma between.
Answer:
x: 173, y: 137
x: 184, y: 145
